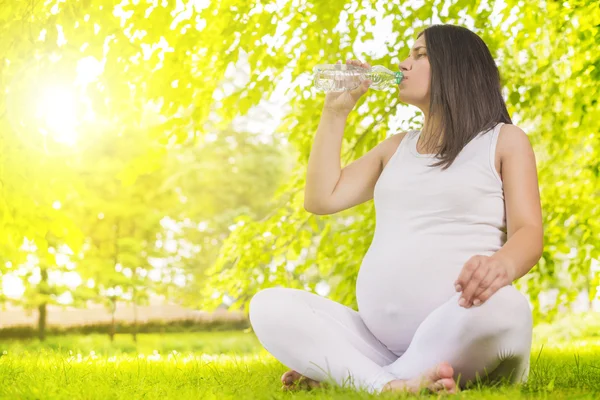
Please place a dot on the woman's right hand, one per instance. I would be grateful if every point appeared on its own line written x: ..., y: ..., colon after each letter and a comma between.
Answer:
x: 343, y: 102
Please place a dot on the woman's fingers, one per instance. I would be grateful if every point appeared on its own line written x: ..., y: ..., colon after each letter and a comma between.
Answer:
x: 486, y: 294
x: 358, y: 63
x: 485, y: 284
x: 478, y: 276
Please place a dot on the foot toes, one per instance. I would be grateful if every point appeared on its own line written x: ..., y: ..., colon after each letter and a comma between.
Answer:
x: 445, y: 384
x: 313, y: 384
x: 289, y: 377
x: 293, y: 380
x: 444, y: 370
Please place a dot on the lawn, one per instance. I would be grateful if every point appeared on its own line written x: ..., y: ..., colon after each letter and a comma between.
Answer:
x: 228, y: 365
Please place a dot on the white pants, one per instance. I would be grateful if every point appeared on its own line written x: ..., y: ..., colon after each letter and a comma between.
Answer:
x: 329, y: 342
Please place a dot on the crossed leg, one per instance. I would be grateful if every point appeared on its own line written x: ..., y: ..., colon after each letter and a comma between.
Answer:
x: 319, y: 338
x: 491, y: 342
x: 328, y: 342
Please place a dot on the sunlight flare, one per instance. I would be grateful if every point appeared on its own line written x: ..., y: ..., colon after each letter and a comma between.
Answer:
x: 57, y: 112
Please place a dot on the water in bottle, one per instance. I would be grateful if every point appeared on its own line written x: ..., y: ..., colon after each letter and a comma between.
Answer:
x: 340, y: 77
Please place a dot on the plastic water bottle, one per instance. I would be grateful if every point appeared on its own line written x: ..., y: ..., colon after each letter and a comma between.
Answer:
x: 340, y: 77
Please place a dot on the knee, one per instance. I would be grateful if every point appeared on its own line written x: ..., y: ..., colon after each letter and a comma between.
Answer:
x: 511, y: 305
x: 270, y: 307
x: 506, y: 310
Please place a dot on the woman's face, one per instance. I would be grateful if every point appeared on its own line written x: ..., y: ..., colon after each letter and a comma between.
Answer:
x: 414, y: 88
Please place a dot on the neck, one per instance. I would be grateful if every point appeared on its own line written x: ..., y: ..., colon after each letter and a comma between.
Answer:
x: 430, y: 127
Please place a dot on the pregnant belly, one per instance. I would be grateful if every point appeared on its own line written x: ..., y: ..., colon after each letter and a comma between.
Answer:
x: 397, y: 287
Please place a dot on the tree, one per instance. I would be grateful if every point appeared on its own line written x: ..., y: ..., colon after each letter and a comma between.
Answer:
x: 174, y: 56
x: 549, y: 99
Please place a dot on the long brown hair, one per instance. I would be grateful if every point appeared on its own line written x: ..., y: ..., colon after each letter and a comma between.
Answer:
x: 465, y: 95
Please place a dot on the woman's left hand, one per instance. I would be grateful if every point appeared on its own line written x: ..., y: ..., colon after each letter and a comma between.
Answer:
x: 480, y: 278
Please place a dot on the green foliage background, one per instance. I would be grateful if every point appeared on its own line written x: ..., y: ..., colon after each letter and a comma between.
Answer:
x: 163, y: 173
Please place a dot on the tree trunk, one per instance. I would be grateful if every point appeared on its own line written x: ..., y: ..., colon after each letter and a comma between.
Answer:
x: 42, y: 322
x: 113, y: 324
x: 135, y: 324
x: 42, y: 311
x: 135, y: 311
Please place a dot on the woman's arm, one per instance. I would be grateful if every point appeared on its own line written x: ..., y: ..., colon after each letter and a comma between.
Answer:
x: 525, y: 242
x: 482, y: 276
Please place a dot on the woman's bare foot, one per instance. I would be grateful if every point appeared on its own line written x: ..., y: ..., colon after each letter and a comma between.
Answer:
x: 438, y: 378
x: 293, y: 380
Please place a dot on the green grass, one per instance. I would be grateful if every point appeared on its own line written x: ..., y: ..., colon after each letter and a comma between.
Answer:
x: 228, y: 365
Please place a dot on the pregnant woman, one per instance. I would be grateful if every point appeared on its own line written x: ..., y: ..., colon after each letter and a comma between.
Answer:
x: 458, y: 219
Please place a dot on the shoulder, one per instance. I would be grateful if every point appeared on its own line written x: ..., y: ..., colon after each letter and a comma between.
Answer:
x: 397, y: 138
x: 392, y: 142
x: 512, y: 140
x: 388, y: 146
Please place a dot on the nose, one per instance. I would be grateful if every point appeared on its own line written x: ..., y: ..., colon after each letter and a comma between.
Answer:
x: 404, y: 66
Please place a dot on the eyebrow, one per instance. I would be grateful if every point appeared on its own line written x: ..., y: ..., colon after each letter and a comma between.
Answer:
x: 418, y: 47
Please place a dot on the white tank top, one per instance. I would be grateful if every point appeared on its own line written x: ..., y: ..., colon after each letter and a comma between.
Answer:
x: 429, y: 222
